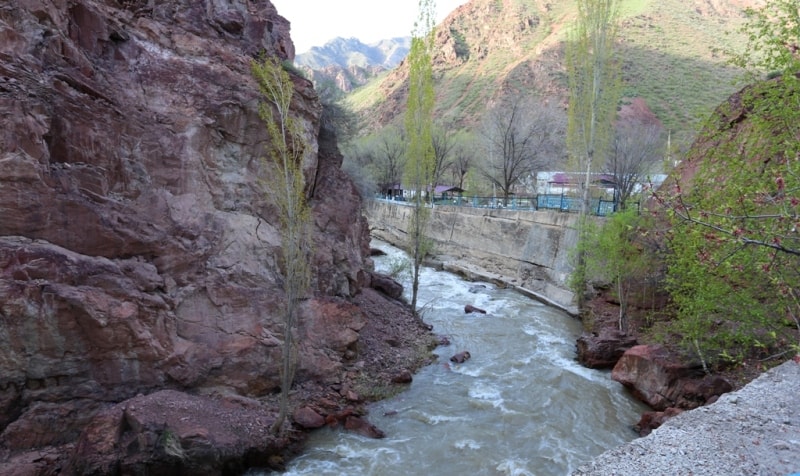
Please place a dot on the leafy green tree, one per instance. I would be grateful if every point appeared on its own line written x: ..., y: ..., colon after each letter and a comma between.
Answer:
x: 420, y: 165
x: 595, y: 88
x: 734, y: 270
x: 286, y: 187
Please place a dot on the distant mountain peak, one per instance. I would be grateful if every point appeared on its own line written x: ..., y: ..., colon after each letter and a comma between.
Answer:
x: 349, y: 63
x: 347, y: 52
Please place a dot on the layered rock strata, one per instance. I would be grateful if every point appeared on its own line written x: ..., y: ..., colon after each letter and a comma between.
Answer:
x: 139, y: 247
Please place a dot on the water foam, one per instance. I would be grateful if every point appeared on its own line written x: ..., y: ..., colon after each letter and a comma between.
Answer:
x: 467, y: 444
x: 436, y: 419
x: 514, y: 468
x: 488, y: 395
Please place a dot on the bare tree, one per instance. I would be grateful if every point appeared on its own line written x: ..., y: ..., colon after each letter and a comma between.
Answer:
x: 359, y: 159
x: 636, y: 151
x: 390, y: 155
x: 519, y: 140
x: 443, y: 144
x: 463, y: 157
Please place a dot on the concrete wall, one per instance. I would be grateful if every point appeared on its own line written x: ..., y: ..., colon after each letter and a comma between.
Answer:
x: 523, y: 248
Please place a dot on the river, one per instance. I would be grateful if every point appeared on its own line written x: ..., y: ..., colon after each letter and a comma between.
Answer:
x: 521, y: 405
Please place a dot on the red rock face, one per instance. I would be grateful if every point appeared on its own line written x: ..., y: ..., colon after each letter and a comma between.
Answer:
x: 603, y: 350
x: 662, y: 380
x: 137, y: 242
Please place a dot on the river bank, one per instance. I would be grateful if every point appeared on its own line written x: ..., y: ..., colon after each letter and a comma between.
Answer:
x: 520, y: 405
x: 751, y: 431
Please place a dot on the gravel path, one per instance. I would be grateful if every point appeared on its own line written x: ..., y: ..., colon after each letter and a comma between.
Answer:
x: 753, y: 431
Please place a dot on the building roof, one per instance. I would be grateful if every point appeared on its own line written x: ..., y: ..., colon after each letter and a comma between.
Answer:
x: 447, y: 188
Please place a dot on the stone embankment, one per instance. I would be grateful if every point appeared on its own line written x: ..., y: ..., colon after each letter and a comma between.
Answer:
x: 528, y: 250
x: 752, y: 431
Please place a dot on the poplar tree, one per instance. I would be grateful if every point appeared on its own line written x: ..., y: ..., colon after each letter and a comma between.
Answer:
x: 285, y: 184
x: 595, y: 89
x: 420, y: 164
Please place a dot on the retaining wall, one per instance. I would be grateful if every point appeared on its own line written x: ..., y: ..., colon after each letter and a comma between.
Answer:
x: 528, y: 249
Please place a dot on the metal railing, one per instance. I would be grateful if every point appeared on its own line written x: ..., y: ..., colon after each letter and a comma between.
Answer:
x: 562, y: 203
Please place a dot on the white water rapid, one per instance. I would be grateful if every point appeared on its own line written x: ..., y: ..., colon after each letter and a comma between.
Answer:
x: 521, y: 405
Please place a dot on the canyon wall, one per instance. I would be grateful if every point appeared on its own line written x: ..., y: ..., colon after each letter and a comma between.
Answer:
x: 139, y: 248
x: 529, y: 249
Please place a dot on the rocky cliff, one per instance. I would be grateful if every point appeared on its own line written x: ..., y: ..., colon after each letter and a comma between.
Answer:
x: 138, y: 246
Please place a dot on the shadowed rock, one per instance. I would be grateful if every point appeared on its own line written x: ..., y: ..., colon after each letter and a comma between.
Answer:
x: 386, y: 285
x: 139, y: 244
x: 658, y: 377
x: 603, y: 350
x: 460, y: 357
x: 361, y: 426
x: 308, y: 418
x: 171, y: 431
x: 469, y: 309
x: 652, y: 420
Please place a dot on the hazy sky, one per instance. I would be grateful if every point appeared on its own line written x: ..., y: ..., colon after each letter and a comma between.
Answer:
x: 315, y: 22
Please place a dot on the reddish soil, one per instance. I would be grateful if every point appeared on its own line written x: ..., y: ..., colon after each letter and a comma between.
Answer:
x: 603, y: 312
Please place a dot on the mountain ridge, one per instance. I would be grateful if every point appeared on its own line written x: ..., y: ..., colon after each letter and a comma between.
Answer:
x: 488, y: 50
x: 348, y: 62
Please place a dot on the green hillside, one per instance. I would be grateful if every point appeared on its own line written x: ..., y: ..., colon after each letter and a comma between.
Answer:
x: 491, y: 48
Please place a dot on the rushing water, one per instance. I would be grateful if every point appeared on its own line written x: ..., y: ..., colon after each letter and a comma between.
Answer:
x: 521, y: 405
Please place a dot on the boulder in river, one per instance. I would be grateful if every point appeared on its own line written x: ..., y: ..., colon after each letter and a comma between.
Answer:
x: 460, y: 357
x: 469, y: 309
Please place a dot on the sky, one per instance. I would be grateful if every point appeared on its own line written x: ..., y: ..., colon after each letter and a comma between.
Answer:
x: 315, y: 22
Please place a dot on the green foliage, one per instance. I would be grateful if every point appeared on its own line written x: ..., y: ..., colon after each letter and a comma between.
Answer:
x: 290, y: 68
x: 285, y: 184
x: 733, y: 270
x: 773, y: 34
x: 461, y: 46
x: 578, y: 278
x: 615, y: 254
x: 594, y: 83
x: 171, y: 444
x: 399, y: 268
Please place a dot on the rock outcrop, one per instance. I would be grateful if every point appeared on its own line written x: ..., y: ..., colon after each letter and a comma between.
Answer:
x: 139, y: 248
x: 603, y: 349
x: 662, y: 380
